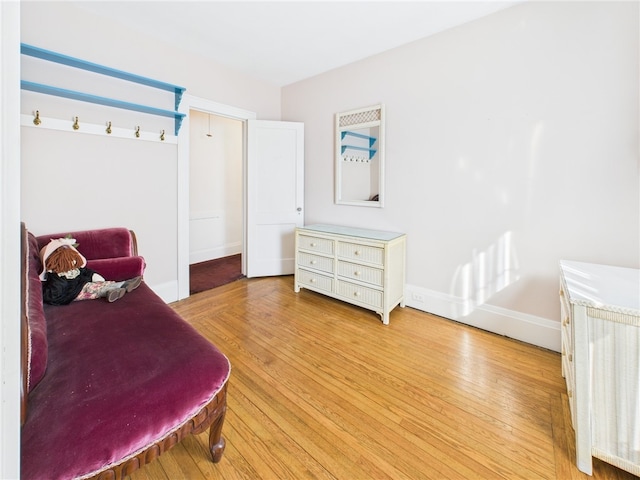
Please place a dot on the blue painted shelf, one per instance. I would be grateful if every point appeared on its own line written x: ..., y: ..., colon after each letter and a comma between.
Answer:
x: 371, y: 140
x: 111, y: 72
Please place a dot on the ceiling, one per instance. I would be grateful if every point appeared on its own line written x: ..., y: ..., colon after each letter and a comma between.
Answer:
x: 285, y: 42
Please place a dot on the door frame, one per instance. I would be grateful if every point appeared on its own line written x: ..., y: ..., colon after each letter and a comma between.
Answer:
x: 190, y: 102
x: 10, y: 259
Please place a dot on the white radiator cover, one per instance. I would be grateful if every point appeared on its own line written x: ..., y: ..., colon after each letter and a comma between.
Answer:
x: 615, y: 389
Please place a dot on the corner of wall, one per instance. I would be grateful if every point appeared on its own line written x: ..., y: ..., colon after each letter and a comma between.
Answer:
x: 167, y: 291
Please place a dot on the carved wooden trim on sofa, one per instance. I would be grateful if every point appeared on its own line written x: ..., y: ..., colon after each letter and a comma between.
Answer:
x: 24, y: 327
x: 211, y: 416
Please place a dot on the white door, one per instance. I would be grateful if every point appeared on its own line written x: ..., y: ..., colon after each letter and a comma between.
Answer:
x: 275, y: 195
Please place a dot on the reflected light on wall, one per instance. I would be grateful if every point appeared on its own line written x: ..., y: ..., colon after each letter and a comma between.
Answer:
x: 463, y: 164
x: 488, y: 272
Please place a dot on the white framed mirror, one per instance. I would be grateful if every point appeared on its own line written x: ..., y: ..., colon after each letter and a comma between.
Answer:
x: 359, y: 157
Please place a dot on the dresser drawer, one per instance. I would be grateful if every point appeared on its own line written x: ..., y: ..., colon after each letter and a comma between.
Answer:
x: 360, y: 272
x: 567, y: 357
x: 565, y: 331
x: 565, y: 320
x: 317, y: 262
x: 315, y: 280
x: 316, y: 244
x: 361, y: 253
x: 567, y: 368
x: 359, y: 294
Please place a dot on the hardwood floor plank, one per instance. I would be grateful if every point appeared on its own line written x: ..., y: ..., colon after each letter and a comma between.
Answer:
x: 288, y: 451
x: 561, y: 439
x: 333, y: 406
x: 299, y: 410
x: 399, y: 388
x: 321, y: 389
x: 321, y: 457
x: 334, y: 383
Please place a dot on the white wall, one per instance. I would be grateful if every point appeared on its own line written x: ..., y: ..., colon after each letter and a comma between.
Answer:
x: 111, y: 181
x: 511, y: 143
x: 215, y: 187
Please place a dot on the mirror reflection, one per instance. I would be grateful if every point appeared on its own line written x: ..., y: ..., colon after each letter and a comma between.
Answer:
x: 359, y: 157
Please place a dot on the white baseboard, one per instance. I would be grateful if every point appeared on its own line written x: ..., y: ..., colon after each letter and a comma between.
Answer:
x: 213, y: 253
x: 538, y: 331
x: 167, y: 291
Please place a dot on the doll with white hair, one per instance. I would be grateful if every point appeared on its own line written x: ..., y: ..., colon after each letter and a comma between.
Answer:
x: 66, y: 278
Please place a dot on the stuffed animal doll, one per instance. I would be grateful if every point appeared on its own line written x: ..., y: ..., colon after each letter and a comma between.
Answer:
x: 66, y: 278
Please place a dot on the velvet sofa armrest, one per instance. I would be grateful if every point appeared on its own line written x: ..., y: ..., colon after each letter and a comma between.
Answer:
x: 99, y: 243
x: 117, y: 269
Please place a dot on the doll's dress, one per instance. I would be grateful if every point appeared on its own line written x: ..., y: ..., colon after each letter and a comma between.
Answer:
x: 63, y: 288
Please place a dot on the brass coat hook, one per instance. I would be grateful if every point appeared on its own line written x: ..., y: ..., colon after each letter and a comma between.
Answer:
x: 37, y: 121
x: 162, y: 136
x: 138, y: 132
x: 76, y: 125
x: 109, y: 128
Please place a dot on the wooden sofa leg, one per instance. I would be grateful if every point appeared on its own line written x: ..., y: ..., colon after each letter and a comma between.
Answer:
x: 216, y: 440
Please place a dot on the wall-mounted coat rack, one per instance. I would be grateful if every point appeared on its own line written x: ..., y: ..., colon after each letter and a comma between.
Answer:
x: 77, y: 125
x: 111, y: 72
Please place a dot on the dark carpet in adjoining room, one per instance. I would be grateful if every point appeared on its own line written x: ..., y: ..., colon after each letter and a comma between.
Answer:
x: 213, y: 273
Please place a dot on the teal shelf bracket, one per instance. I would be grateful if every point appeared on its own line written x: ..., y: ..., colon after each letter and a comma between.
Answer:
x: 178, y: 122
x: 178, y: 96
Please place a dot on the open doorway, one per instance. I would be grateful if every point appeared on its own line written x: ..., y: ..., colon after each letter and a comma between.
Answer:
x: 190, y: 103
x: 268, y: 250
x: 215, y: 200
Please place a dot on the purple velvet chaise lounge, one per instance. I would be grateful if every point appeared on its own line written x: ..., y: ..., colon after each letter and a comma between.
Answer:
x: 107, y: 387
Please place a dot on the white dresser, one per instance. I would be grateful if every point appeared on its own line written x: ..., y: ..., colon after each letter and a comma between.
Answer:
x: 359, y: 266
x: 600, y: 308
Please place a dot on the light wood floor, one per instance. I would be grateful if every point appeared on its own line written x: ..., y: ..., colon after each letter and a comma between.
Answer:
x: 321, y: 389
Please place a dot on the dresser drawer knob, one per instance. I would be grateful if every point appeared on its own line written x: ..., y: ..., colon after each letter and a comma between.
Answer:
x: 312, y: 244
x: 357, y: 252
x: 313, y: 280
x: 313, y: 262
x: 356, y: 294
x: 356, y: 273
